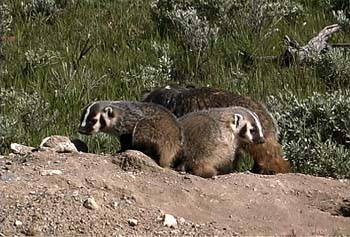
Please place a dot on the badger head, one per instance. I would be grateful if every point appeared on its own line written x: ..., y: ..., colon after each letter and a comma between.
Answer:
x: 96, y: 117
x: 247, y: 126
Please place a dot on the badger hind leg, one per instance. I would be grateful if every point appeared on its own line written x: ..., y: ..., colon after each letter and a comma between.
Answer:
x: 160, y: 143
x: 268, y: 158
x: 203, y: 169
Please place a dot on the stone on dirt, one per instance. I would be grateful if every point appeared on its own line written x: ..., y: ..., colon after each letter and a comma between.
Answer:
x: 50, y: 172
x: 91, y: 204
x: 170, y: 221
x: 132, y: 222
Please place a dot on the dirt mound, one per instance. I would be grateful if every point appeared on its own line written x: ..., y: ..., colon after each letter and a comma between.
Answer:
x: 47, y: 193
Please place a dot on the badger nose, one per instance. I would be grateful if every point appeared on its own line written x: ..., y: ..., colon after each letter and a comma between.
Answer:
x: 82, y: 130
x: 260, y: 140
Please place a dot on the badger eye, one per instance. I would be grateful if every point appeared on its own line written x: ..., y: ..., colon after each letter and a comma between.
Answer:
x: 92, y: 121
x: 253, y: 131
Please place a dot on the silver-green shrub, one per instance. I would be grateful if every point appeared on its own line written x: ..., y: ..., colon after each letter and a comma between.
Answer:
x: 333, y: 68
x: 230, y: 15
x: 194, y: 32
x: 315, y: 132
x: 6, y: 18
x: 151, y: 76
x: 259, y: 17
x: 41, y: 58
x: 23, y: 115
x: 42, y: 7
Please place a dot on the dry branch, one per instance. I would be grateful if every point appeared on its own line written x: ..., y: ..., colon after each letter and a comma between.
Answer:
x: 295, y: 53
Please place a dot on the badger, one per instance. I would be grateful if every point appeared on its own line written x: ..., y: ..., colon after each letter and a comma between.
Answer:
x: 147, y: 127
x: 213, y: 137
x: 268, y: 157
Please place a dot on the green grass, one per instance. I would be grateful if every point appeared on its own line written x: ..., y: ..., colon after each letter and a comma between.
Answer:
x: 97, y: 42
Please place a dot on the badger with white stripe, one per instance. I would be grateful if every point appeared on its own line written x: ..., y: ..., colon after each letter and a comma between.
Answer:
x: 268, y: 157
x: 212, y: 138
x: 146, y: 127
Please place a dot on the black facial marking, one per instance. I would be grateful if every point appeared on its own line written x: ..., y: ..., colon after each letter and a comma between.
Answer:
x: 243, y: 131
x: 92, y: 121
x: 237, y: 122
x: 254, y: 131
x: 110, y: 113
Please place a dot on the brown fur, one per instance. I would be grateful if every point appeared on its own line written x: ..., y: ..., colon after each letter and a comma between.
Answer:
x: 146, y: 127
x: 268, y: 157
x: 212, y: 138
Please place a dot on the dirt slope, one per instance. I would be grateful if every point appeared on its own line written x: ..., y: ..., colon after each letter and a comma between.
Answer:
x: 34, y: 201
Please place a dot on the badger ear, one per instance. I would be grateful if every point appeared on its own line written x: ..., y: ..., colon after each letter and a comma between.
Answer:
x: 238, y: 119
x: 109, y: 111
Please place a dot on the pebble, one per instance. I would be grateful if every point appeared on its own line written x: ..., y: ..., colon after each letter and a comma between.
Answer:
x: 169, y: 221
x: 8, y: 177
x: 18, y: 223
x: 132, y: 222
x: 50, y: 172
x: 91, y: 204
x: 182, y: 220
x: 32, y: 231
x: 115, y: 205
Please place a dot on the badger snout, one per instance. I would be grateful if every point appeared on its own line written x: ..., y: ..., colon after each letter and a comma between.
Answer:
x: 259, y: 140
x: 85, y: 130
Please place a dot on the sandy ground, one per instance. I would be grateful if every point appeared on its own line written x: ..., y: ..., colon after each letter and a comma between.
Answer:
x: 47, y: 193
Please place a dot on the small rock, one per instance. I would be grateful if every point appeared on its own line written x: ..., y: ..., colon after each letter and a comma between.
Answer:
x: 21, y: 149
x: 91, y: 204
x: 32, y: 231
x: 58, y: 144
x: 75, y: 193
x: 50, y: 172
x: 175, y: 232
x: 169, y: 221
x: 132, y: 222
x: 18, y: 223
x: 8, y: 177
x: 115, y: 205
x: 182, y: 221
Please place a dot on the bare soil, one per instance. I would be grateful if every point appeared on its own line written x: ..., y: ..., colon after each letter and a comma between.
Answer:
x: 43, y: 193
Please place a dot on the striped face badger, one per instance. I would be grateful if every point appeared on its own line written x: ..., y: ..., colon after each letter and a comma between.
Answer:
x: 95, y: 118
x: 213, y: 137
x: 248, y: 129
x: 146, y: 127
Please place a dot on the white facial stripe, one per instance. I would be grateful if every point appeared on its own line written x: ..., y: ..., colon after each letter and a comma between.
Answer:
x: 44, y: 141
x: 258, y: 124
x: 248, y: 134
x: 83, y: 124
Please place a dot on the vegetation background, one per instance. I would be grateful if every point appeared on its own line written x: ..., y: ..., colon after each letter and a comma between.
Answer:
x: 59, y: 55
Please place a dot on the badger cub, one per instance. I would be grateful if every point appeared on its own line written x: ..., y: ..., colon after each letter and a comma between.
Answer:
x: 146, y: 127
x: 213, y: 137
